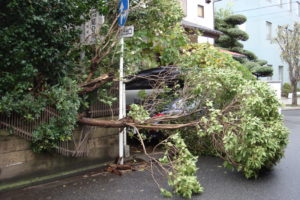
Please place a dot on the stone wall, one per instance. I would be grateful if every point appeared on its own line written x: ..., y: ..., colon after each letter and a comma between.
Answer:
x: 17, y: 161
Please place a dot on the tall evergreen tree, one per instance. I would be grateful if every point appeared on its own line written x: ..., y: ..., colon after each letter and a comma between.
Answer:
x: 228, y: 24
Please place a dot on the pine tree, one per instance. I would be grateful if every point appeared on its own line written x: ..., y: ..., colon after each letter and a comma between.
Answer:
x: 228, y: 24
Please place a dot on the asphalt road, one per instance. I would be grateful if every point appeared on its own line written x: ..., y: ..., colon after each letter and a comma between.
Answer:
x: 282, y: 183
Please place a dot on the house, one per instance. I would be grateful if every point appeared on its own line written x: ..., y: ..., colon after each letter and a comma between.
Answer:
x: 199, y: 15
x: 264, y: 17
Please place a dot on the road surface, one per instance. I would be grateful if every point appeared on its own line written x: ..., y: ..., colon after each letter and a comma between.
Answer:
x: 282, y: 183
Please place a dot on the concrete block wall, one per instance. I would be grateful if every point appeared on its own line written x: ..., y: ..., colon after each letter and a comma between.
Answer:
x: 18, y: 161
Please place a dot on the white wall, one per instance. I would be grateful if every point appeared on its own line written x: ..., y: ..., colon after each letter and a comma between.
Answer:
x: 192, y: 13
x: 202, y: 39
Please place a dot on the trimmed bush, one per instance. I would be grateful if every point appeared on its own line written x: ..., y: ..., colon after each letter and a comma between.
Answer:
x: 262, y: 62
x: 250, y: 55
x: 236, y: 19
x: 286, y: 89
x: 238, y: 34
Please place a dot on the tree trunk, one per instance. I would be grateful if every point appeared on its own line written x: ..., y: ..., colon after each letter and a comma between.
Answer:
x: 130, y: 123
x: 294, y: 91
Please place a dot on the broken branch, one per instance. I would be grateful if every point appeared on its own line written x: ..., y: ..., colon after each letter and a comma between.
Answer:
x: 95, y: 83
x: 128, y: 122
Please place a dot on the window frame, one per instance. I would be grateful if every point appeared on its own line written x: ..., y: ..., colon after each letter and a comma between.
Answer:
x: 280, y: 73
x: 198, y: 13
x: 269, y: 30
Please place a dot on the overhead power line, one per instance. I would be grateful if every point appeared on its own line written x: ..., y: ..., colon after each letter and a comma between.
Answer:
x: 258, y: 8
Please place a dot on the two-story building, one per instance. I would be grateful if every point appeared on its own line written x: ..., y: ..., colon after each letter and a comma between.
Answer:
x: 199, y: 15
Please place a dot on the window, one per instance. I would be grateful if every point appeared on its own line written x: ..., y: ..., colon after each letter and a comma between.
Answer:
x: 183, y: 4
x: 280, y: 73
x: 200, y: 11
x: 269, y: 30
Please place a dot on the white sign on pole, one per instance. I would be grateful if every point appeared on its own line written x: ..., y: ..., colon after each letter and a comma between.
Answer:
x: 127, y: 31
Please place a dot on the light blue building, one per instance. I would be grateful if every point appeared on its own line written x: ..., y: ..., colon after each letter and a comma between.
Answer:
x: 263, y: 19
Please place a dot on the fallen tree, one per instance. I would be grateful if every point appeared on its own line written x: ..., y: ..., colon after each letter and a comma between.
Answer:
x: 239, y: 118
x: 218, y: 100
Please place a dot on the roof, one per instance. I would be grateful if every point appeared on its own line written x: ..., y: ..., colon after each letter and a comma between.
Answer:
x: 204, y: 29
x: 234, y: 54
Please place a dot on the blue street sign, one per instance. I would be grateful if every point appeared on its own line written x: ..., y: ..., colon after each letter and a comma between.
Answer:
x: 123, y: 10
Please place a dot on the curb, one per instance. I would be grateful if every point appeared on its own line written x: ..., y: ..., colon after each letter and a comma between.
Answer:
x: 49, y: 178
x: 290, y: 108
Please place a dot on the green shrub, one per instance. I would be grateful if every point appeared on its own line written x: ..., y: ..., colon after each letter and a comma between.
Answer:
x: 207, y: 56
x: 38, y: 57
x: 235, y: 19
x: 286, y: 89
x: 238, y: 34
x: 264, y: 71
x: 249, y: 54
x: 262, y: 62
x: 224, y: 40
x: 259, y: 70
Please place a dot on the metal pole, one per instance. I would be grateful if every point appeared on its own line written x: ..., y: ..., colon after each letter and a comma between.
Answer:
x: 124, y: 115
x: 122, y: 106
x: 121, y: 134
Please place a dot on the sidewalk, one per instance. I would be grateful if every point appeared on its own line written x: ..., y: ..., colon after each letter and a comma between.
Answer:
x: 286, y: 104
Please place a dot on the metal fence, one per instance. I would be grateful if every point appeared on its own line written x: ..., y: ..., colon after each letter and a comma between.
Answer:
x: 99, y: 109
